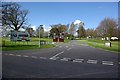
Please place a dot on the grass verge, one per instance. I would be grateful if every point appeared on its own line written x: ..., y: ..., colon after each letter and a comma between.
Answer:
x: 6, y: 44
x: 100, y: 44
x: 23, y: 45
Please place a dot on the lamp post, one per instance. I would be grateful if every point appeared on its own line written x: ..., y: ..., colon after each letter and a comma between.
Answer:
x: 48, y: 36
x: 39, y: 34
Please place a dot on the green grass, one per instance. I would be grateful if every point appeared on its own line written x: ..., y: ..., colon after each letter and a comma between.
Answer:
x: 26, y: 47
x: 100, y: 44
x: 66, y: 40
x: 32, y: 44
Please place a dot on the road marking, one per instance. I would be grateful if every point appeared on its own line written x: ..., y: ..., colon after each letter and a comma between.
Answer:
x: 58, y: 54
x: 25, y: 56
x: 65, y: 59
x: 60, y: 46
x: 33, y: 56
x: 107, y: 63
x: 119, y: 63
x: 92, y: 61
x: 78, y: 60
x: 43, y: 58
x: 66, y: 46
x: 69, y: 49
x: 54, y: 58
x: 18, y: 55
x: 11, y: 54
x: 5, y: 54
x: 94, y: 73
x: 68, y: 59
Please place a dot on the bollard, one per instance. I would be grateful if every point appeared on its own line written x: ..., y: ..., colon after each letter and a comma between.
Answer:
x: 110, y: 44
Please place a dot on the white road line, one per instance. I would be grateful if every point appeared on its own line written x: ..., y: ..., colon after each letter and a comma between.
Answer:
x: 54, y: 58
x: 5, y: 54
x: 92, y: 61
x: 65, y: 59
x: 118, y: 62
x: 33, y: 56
x: 18, y: 55
x: 107, y: 63
x: 43, y: 58
x: 69, y: 49
x: 78, y: 60
x: 57, y: 54
x: 25, y: 56
x: 94, y: 73
x: 11, y: 54
x: 66, y: 46
x: 60, y: 46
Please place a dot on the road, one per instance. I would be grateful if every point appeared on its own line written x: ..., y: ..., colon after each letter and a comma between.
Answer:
x: 66, y: 60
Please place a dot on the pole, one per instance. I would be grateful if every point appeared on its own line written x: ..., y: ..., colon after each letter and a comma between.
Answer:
x: 48, y: 37
x: 39, y: 34
x: 39, y: 37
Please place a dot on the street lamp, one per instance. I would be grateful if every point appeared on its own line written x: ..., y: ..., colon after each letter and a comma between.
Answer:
x: 39, y: 34
x: 48, y: 36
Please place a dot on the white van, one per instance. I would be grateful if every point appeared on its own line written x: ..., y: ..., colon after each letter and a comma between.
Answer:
x: 19, y: 36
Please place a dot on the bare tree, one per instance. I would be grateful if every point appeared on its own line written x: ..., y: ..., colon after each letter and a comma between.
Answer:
x: 90, y: 32
x: 13, y: 16
x: 72, y: 28
x: 107, y: 27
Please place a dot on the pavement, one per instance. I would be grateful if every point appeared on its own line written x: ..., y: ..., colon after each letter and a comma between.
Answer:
x: 66, y: 60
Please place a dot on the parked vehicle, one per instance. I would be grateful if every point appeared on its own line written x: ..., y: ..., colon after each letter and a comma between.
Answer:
x: 114, y: 39
x: 19, y: 36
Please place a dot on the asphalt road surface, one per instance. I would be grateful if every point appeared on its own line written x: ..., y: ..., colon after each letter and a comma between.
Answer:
x: 66, y: 60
